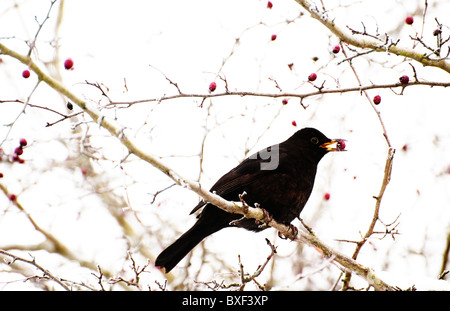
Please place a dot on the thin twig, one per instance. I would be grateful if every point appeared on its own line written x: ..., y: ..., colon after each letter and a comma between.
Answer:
x: 34, y: 263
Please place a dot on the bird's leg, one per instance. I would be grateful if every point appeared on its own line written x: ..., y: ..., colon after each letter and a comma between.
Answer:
x: 289, y: 235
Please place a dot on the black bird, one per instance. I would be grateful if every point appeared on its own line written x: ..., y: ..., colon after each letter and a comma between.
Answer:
x: 279, y: 178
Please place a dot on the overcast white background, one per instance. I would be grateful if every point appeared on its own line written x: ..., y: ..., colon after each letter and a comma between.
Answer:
x: 188, y: 41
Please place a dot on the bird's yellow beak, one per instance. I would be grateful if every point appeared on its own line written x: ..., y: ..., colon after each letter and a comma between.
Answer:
x: 340, y: 145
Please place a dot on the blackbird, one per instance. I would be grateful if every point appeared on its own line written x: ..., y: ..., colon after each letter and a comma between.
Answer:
x: 279, y: 179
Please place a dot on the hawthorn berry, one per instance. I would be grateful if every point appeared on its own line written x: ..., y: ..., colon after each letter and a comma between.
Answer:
x: 404, y: 79
x: 409, y: 20
x: 340, y: 145
x: 336, y: 49
x: 377, y: 99
x: 326, y: 196
x: 294, y: 123
x: 26, y: 73
x: 274, y: 37
x: 18, y: 151
x: 68, y: 64
x: 1, y: 175
x: 436, y: 32
x: 312, y: 77
x: 23, y: 142
x: 269, y: 5
x: 12, y: 197
x: 212, y: 86
x: 285, y: 101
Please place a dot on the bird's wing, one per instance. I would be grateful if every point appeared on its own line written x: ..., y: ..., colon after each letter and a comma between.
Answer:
x: 248, y: 171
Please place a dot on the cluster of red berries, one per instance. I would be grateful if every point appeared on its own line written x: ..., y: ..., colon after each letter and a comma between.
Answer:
x: 68, y: 65
x: 15, y: 157
x: 403, y: 80
x: 19, y: 151
x: 312, y: 77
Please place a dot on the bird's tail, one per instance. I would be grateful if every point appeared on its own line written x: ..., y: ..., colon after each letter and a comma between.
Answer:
x: 173, y: 254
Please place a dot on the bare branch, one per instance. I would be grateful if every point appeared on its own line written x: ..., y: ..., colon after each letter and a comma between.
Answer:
x: 370, y: 43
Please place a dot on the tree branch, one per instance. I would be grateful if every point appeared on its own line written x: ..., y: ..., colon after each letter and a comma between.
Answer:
x: 368, y: 42
x: 301, y: 96
x: 116, y: 130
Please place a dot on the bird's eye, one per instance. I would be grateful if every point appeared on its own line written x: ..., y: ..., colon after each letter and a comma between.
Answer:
x: 315, y: 140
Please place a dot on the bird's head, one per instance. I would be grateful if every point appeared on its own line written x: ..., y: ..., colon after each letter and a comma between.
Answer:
x: 316, y: 144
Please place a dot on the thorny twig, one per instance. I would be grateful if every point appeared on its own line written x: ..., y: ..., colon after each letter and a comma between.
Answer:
x: 33, y: 262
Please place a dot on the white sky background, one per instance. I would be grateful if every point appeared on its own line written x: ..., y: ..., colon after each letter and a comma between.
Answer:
x: 188, y: 41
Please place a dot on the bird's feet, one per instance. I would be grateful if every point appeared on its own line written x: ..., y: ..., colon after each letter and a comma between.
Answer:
x: 265, y: 220
x: 290, y: 234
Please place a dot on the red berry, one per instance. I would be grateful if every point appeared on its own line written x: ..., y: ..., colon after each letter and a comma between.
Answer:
x: 269, y: 5
x: 23, y: 142
x: 274, y: 37
x: 409, y: 20
x: 312, y: 77
x: 26, y: 74
x: 336, y: 49
x: 212, y: 86
x: 68, y: 64
x: 12, y: 197
x: 18, y: 151
x: 1, y: 175
x: 294, y: 123
x: 326, y: 196
x: 285, y: 101
x: 404, y: 79
x: 377, y: 99
x: 340, y: 145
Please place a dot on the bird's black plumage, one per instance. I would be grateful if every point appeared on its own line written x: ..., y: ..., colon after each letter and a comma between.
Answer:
x: 279, y: 178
